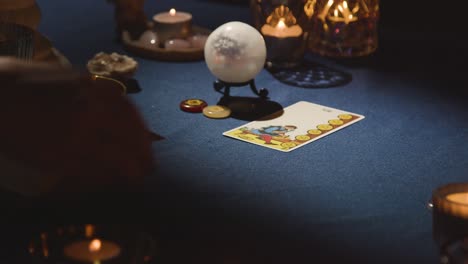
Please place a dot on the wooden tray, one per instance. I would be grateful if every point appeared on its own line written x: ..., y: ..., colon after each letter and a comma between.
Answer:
x: 157, y: 53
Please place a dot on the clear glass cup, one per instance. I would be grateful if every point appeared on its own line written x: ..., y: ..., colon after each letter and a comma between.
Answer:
x: 343, y: 28
x: 449, y: 206
x: 284, y: 26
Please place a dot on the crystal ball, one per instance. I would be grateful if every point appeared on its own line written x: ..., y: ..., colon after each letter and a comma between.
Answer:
x: 235, y: 52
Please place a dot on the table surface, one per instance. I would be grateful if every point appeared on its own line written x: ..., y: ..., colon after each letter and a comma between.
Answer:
x: 359, y: 194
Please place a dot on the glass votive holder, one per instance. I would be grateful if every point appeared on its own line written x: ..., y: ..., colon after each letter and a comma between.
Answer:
x: 450, y: 222
x: 344, y: 28
x: 16, y: 41
x: 283, y: 25
x: 89, y: 243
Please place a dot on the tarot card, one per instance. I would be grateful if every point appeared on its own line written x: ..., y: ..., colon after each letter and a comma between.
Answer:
x: 297, y: 125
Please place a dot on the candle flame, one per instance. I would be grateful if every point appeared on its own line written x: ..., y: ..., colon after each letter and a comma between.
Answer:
x: 95, y: 245
x: 281, y: 24
x: 345, y: 4
x: 172, y: 12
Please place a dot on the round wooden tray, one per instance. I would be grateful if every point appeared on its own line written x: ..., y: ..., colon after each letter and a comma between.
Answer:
x: 157, y: 53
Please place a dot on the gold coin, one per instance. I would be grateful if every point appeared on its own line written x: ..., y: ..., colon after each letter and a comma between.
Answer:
x: 314, y: 132
x: 345, y: 116
x: 324, y: 127
x: 216, y: 111
x: 288, y: 145
x: 194, y: 102
x: 335, y: 122
x: 302, y: 137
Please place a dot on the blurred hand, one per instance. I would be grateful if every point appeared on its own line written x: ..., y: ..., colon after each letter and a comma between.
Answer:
x: 63, y: 132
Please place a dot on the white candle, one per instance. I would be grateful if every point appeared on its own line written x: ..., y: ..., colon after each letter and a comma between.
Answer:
x: 172, y: 17
x: 92, y: 250
x: 281, y: 30
x: 172, y: 24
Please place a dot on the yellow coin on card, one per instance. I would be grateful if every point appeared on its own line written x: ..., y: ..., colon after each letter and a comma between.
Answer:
x: 314, y: 132
x: 302, y: 137
x: 324, y: 127
x: 335, y: 122
x: 288, y: 145
x: 345, y: 117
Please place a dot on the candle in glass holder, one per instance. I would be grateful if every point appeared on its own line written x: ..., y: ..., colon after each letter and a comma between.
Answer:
x: 450, y: 214
x: 283, y: 33
x: 92, y: 251
x: 172, y: 24
x: 344, y: 28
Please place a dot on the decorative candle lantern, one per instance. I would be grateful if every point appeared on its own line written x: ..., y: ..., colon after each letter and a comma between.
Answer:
x: 343, y: 28
x: 450, y: 222
x: 283, y: 25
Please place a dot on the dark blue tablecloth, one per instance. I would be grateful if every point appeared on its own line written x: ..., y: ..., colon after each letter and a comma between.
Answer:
x: 356, y: 195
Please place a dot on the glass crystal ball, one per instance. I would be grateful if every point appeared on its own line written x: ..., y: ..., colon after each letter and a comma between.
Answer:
x: 235, y: 52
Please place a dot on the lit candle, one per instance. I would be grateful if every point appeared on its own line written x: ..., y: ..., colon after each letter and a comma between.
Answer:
x: 343, y: 14
x: 172, y: 24
x: 92, y: 251
x: 281, y: 30
x: 450, y: 216
x: 452, y: 199
x: 461, y: 198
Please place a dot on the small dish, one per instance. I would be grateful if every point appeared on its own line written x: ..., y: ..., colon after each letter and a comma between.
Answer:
x: 158, y: 53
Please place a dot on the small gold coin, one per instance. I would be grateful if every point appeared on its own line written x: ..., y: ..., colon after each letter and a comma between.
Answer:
x: 216, y: 111
x: 324, y: 127
x: 288, y: 145
x: 302, y: 137
x: 314, y: 132
x: 345, y: 117
x: 335, y: 122
x: 194, y: 102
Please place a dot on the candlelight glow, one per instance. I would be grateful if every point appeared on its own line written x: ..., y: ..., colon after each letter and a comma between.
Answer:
x: 281, y: 24
x: 95, y: 245
x: 172, y: 12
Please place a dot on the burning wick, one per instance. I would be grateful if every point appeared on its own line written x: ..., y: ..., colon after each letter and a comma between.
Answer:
x: 172, y: 12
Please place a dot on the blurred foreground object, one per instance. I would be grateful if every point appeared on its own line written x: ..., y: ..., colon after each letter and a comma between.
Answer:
x: 343, y: 28
x: 130, y: 16
x: 16, y: 40
x: 62, y: 132
x: 22, y: 12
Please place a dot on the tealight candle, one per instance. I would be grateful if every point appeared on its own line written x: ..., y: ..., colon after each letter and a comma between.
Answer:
x: 450, y: 213
x: 172, y: 24
x: 281, y: 30
x: 92, y: 251
x: 452, y: 199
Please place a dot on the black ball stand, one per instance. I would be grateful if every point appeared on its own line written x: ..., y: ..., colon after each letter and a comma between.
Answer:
x: 219, y: 85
